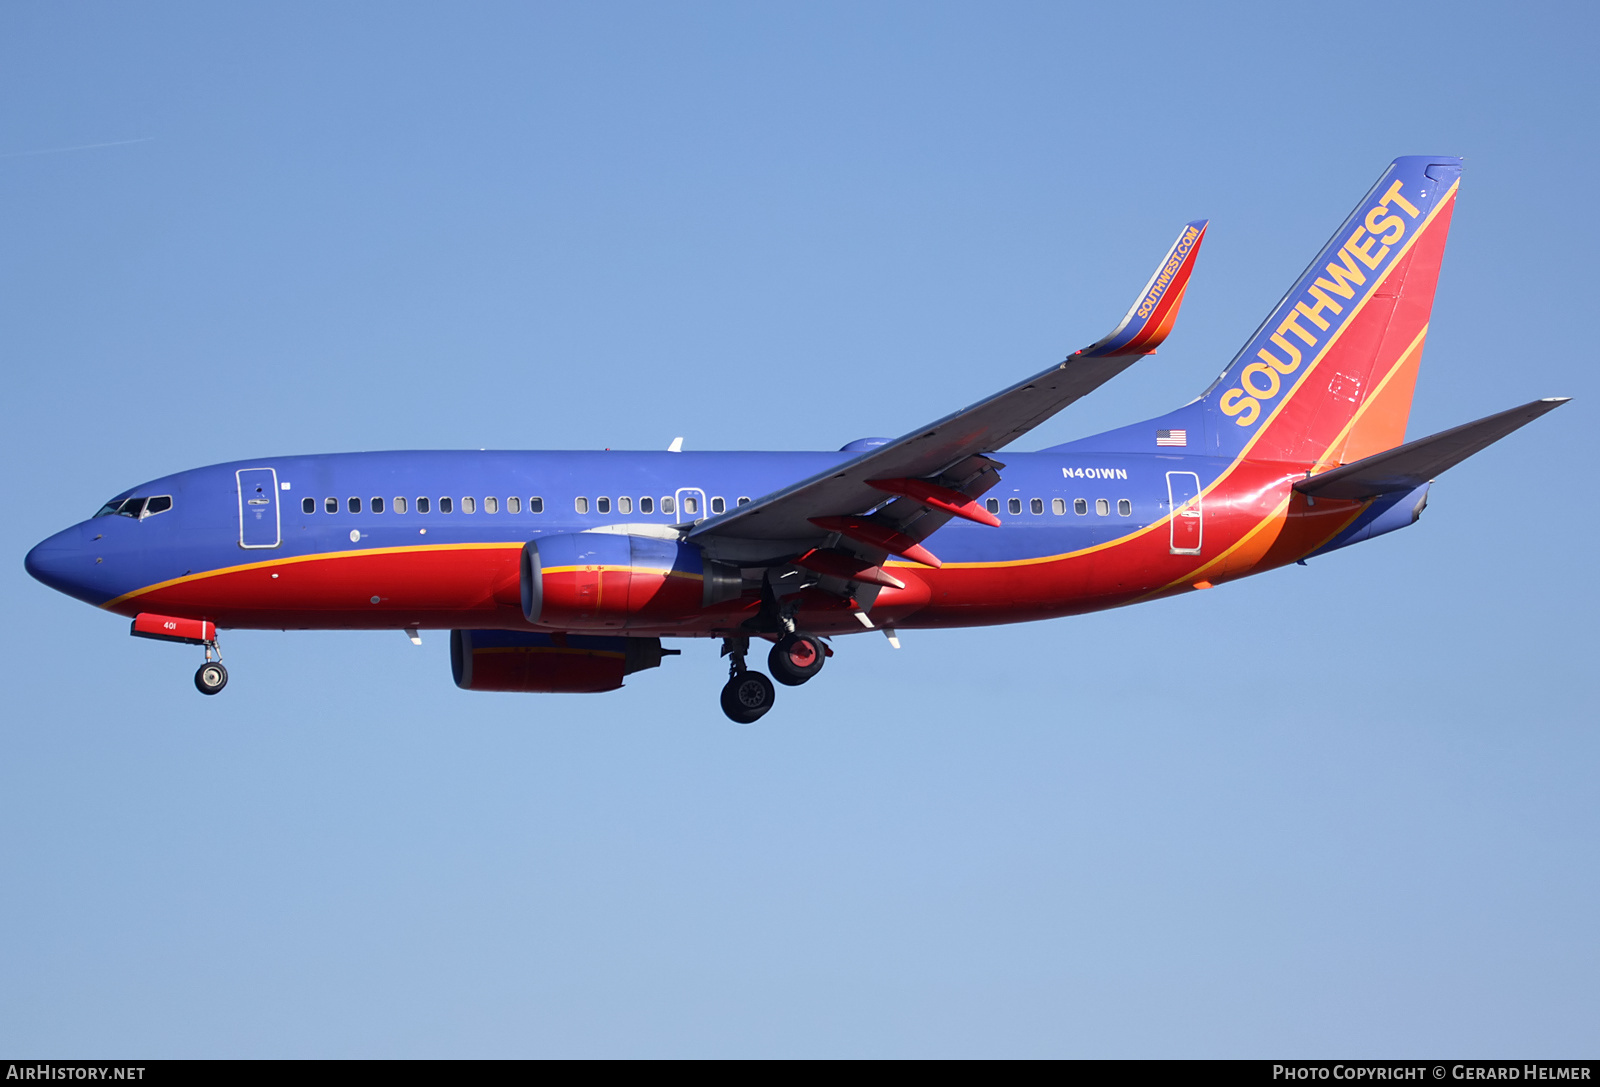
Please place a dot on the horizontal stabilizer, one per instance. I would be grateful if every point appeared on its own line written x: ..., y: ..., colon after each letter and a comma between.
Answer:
x: 1407, y: 467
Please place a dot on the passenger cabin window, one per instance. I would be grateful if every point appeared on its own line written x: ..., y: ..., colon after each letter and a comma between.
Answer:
x: 744, y: 500
x: 1036, y: 505
x: 1124, y: 508
x: 1058, y: 506
x: 667, y: 504
x: 308, y: 505
x: 581, y: 505
x: 1080, y: 506
x: 647, y: 504
x: 513, y: 505
x: 691, y: 505
x: 992, y: 505
x: 422, y: 504
x: 535, y: 505
x: 376, y: 504
x: 469, y: 505
x: 331, y: 505
x: 602, y: 504
x: 1013, y: 505
x: 491, y: 505
x: 355, y: 505
x: 447, y: 505
x: 1102, y: 507
x: 718, y: 505
x: 399, y: 504
x: 624, y: 504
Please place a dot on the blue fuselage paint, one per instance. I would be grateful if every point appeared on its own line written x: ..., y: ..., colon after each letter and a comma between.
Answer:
x: 109, y: 556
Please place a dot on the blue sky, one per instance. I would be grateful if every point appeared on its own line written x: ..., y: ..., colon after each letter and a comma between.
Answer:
x: 1348, y: 809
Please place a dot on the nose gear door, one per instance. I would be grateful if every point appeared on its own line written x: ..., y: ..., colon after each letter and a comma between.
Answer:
x: 1183, y: 494
x: 258, y: 508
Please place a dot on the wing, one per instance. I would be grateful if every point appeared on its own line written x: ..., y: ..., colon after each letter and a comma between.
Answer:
x: 889, y: 499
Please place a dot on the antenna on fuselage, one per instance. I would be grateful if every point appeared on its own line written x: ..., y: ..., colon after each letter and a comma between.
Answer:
x: 676, y: 446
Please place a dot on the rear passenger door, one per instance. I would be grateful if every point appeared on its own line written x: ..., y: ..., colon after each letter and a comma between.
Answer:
x: 258, y: 508
x: 1183, y: 494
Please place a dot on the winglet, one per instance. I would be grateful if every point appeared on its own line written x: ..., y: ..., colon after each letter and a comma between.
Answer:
x: 1150, y: 320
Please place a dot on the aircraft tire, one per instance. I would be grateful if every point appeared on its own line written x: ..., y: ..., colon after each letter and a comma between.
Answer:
x: 211, y: 678
x: 795, y: 659
x: 747, y: 696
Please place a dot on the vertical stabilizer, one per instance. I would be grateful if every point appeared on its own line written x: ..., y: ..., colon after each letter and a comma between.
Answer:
x: 1327, y: 378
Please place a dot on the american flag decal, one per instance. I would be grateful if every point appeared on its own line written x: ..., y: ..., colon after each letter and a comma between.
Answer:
x: 1172, y: 437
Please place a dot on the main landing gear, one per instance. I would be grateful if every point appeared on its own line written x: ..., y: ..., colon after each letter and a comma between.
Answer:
x: 748, y: 695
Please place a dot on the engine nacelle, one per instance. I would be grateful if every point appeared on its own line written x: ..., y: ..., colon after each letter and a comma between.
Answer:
x: 511, y: 660
x: 610, y: 581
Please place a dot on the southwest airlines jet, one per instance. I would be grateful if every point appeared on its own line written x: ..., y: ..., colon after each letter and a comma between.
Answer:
x: 563, y: 571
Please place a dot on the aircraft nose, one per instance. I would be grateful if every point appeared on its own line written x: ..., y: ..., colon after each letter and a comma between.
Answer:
x: 58, y: 561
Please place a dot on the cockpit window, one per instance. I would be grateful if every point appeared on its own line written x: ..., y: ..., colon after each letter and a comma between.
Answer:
x: 136, y: 508
x: 126, y: 507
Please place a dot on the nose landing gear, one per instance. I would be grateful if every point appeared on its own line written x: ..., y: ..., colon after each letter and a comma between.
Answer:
x: 211, y: 677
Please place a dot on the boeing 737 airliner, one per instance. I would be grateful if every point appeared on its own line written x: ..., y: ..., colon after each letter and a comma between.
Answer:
x: 561, y: 571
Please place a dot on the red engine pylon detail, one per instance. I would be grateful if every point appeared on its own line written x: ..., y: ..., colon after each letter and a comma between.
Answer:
x: 874, y: 535
x: 170, y: 628
x: 940, y: 498
x: 851, y: 569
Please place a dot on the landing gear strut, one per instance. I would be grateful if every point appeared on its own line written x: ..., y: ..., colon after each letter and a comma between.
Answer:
x: 747, y: 695
x: 796, y: 658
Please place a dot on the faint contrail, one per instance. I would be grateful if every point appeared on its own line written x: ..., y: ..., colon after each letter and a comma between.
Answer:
x: 79, y: 147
